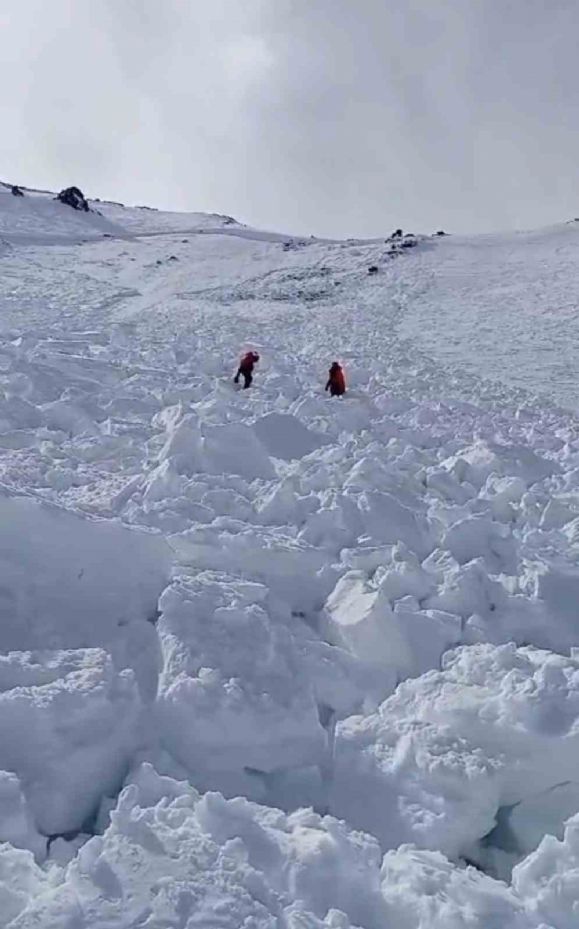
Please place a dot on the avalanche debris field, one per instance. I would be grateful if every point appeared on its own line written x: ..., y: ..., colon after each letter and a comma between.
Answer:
x: 268, y: 659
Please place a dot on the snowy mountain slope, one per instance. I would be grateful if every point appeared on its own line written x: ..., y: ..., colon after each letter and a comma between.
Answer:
x: 504, y: 306
x: 145, y: 220
x: 209, y: 598
x: 38, y: 218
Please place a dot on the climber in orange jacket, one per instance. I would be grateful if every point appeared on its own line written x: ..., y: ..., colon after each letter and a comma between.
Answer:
x: 336, y: 381
x: 246, y: 366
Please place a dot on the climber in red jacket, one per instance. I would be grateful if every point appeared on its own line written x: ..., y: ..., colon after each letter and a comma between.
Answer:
x: 246, y: 366
x: 336, y: 381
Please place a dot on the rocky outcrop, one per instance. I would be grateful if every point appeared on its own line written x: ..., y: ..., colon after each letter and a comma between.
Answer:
x: 73, y: 197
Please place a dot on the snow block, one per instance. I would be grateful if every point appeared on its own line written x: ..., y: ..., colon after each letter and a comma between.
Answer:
x: 548, y: 880
x: 496, y: 726
x: 185, y: 861
x: 284, y: 436
x: 388, y: 520
x: 69, y: 581
x: 182, y: 860
x: 232, y: 448
x: 22, y: 882
x: 16, y: 823
x: 233, y: 694
x: 68, y: 727
x: 423, y: 890
x: 477, y: 462
x: 293, y: 570
x: 405, y: 643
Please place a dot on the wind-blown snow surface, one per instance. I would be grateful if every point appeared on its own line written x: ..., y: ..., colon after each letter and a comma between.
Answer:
x: 267, y: 659
x: 505, y: 306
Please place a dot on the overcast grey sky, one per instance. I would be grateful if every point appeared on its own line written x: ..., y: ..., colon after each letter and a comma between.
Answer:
x: 335, y: 117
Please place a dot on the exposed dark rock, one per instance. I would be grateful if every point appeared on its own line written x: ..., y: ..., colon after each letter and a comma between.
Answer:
x: 16, y: 191
x: 373, y: 269
x: 73, y: 197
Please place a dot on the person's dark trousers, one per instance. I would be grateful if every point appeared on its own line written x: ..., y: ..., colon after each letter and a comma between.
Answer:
x: 247, y: 378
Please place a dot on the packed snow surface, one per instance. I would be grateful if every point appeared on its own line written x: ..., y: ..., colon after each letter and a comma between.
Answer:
x: 269, y: 659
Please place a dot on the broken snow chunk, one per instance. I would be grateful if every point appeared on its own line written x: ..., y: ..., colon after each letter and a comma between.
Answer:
x: 68, y: 726
x: 495, y: 727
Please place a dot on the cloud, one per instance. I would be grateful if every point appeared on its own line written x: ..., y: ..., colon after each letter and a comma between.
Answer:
x: 329, y: 117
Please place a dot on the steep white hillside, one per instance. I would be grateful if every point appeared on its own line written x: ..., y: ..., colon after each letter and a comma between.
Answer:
x: 37, y: 217
x: 144, y: 219
x: 504, y: 306
x: 271, y: 659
